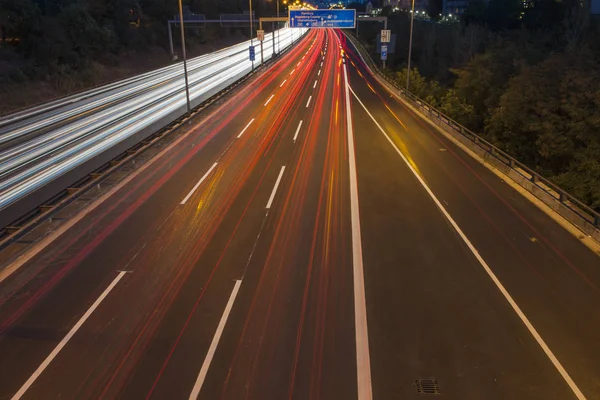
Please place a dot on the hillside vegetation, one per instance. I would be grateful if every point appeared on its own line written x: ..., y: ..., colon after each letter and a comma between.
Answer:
x: 50, y: 48
x: 527, y: 79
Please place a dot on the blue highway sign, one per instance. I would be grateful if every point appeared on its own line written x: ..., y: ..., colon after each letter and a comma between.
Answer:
x: 252, y: 55
x: 322, y: 18
x: 384, y: 52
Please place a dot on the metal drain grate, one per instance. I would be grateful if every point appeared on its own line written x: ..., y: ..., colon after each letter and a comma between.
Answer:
x: 427, y: 386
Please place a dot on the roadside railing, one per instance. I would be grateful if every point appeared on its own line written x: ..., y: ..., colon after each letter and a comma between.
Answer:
x: 578, y: 213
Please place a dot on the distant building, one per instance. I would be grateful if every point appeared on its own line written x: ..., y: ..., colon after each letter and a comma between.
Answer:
x: 420, y: 5
x: 456, y: 7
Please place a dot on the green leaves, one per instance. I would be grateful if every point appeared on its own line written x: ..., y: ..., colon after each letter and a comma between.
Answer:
x: 549, y: 118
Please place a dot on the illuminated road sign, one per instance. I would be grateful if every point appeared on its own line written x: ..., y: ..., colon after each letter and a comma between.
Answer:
x: 322, y: 18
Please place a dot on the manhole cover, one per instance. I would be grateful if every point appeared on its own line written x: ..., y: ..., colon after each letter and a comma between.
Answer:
x: 427, y: 386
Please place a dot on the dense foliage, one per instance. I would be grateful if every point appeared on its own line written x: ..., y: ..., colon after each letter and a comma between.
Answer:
x: 41, y: 38
x: 527, y: 78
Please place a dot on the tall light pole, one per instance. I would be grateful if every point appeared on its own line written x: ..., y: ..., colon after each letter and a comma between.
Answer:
x: 187, y: 89
x: 278, y: 45
x: 251, y: 34
x: 412, y: 20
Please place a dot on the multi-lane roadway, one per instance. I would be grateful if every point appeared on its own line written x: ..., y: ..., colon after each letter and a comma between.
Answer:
x: 310, y: 238
x: 68, y: 138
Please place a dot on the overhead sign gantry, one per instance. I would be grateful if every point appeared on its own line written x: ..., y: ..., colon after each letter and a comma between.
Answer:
x: 322, y: 18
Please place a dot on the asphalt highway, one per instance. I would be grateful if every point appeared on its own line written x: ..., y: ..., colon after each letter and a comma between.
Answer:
x: 310, y: 238
x: 49, y: 141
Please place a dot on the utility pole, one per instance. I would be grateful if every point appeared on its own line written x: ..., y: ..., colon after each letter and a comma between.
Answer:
x: 187, y: 89
x: 412, y: 20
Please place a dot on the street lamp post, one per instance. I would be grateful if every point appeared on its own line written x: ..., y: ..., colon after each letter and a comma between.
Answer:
x: 278, y: 46
x: 187, y: 90
x: 412, y: 20
x: 251, y: 34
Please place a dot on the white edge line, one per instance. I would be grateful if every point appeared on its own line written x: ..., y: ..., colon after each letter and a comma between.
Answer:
x: 282, y: 83
x: 66, y: 339
x: 486, y: 267
x: 297, y: 130
x: 363, y: 359
x: 215, y: 342
x: 246, y: 127
x: 275, y: 188
x: 273, y: 95
x: 198, y: 184
x: 308, y: 102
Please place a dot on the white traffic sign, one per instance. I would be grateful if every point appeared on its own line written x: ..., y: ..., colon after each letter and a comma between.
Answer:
x: 386, y: 35
x: 260, y: 35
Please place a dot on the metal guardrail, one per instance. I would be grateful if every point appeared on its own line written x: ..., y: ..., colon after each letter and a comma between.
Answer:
x: 573, y: 204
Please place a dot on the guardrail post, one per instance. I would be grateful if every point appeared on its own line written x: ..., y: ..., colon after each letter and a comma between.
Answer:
x: 511, y: 163
x: 476, y: 139
x: 492, y: 150
x: 597, y: 221
x: 534, y: 178
x: 561, y: 197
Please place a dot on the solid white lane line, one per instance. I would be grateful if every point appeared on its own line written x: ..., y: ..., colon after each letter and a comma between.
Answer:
x: 269, y: 99
x: 297, y: 131
x: 246, y: 127
x: 485, y: 266
x: 315, y: 85
x: 308, y: 102
x: 275, y: 188
x: 198, y: 184
x: 66, y: 339
x: 292, y: 71
x: 363, y: 359
x: 215, y: 342
x: 282, y: 83
x: 319, y: 73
